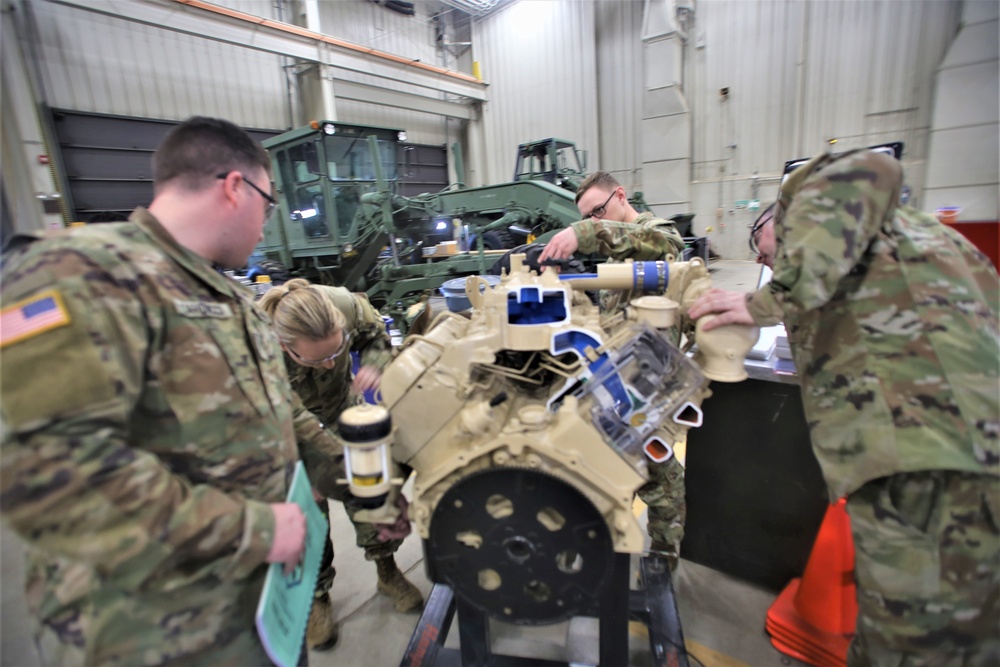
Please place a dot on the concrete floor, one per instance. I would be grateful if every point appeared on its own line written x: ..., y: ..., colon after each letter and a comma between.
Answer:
x: 722, y: 617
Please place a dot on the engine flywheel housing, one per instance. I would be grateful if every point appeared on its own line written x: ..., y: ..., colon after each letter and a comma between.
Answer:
x: 524, y: 546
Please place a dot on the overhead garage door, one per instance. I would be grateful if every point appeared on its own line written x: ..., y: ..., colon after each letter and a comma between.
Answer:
x: 108, y: 161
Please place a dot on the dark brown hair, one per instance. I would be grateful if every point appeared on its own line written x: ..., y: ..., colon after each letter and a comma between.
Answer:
x: 200, y: 148
x: 600, y: 179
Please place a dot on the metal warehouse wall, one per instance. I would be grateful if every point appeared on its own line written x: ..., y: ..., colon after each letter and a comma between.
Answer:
x: 964, y: 151
x: 800, y: 74
x: 368, y: 24
x: 538, y: 58
x: 90, y: 62
x: 620, y: 80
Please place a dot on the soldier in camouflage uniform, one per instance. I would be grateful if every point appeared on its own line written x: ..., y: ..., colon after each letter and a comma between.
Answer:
x: 612, y: 227
x: 149, y: 427
x: 319, y: 326
x: 892, y: 318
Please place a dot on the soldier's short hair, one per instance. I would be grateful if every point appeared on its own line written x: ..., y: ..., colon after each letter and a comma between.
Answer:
x: 299, y: 310
x: 200, y: 148
x: 599, y: 179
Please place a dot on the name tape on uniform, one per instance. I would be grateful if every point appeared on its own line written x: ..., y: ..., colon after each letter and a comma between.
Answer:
x: 30, y: 317
x: 203, y: 309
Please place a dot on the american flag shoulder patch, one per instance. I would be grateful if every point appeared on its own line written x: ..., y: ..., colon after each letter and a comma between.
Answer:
x: 30, y: 317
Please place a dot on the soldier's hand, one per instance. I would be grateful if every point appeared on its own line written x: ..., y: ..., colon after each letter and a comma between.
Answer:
x: 368, y: 377
x: 560, y: 246
x: 730, y: 306
x: 289, y: 535
x: 401, y: 528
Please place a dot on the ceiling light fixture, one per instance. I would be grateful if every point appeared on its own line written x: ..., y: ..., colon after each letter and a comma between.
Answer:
x: 477, y: 8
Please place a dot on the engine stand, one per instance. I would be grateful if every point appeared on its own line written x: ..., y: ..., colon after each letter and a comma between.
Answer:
x: 653, y: 605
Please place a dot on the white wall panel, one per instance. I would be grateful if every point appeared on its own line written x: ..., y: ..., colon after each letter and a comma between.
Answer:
x: 620, y: 87
x: 670, y: 135
x: 801, y: 73
x: 978, y: 203
x: 659, y: 179
x: 367, y: 24
x: 979, y: 44
x: 963, y: 168
x: 975, y: 11
x: 538, y: 57
x: 92, y: 62
x: 975, y: 94
x: 961, y: 159
x: 421, y: 128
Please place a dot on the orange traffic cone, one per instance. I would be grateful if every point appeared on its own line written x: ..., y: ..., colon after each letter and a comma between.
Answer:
x: 813, y: 618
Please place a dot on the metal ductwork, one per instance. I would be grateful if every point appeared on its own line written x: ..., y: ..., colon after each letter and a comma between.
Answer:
x: 666, y: 118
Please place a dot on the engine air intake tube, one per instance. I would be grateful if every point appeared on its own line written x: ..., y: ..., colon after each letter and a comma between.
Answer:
x: 637, y: 276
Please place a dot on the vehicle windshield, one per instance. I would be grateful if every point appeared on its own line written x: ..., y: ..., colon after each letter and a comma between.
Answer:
x: 348, y: 158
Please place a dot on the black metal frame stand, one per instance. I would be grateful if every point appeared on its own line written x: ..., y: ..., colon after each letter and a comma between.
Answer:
x: 653, y: 605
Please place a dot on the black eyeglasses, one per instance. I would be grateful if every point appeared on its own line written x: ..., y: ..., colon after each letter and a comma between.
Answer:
x: 600, y: 210
x: 757, y: 229
x: 272, y: 203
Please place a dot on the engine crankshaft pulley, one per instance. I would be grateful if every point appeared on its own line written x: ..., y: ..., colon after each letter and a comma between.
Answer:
x: 524, y: 546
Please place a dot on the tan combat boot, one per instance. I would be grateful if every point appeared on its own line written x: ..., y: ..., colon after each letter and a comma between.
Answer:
x: 322, y: 632
x: 391, y: 582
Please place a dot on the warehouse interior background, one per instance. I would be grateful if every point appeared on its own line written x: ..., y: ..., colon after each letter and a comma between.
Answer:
x: 698, y: 104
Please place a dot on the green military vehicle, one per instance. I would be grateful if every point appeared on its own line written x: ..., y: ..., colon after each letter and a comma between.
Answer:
x: 561, y: 163
x: 555, y: 161
x: 342, y: 222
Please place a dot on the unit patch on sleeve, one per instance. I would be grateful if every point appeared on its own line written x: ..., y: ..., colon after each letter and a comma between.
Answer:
x: 30, y: 317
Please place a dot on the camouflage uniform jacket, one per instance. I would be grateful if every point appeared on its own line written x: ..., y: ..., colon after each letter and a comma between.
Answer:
x: 327, y: 392
x: 144, y: 436
x: 647, y: 238
x: 892, y: 318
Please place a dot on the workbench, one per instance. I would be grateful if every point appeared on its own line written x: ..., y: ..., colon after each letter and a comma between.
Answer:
x: 755, y: 493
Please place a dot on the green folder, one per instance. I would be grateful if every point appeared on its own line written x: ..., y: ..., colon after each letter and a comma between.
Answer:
x: 283, y: 610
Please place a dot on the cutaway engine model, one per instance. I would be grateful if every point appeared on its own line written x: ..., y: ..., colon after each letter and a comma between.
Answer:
x: 530, y: 426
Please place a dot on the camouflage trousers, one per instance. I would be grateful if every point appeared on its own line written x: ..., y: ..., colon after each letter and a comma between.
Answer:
x: 667, y: 508
x: 366, y: 537
x: 928, y: 570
